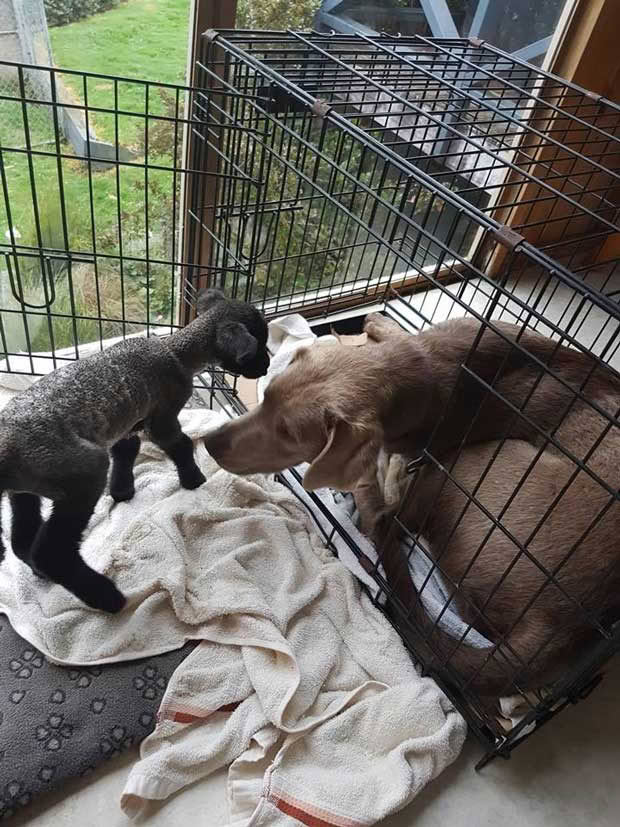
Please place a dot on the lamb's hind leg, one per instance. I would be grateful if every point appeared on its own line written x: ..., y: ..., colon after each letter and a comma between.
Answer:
x: 56, y: 549
x: 124, y: 453
x: 26, y: 522
x: 165, y: 431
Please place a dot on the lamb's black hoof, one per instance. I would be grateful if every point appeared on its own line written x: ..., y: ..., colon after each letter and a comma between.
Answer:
x: 105, y: 597
x: 24, y: 556
x: 39, y: 574
x: 194, y: 480
x: 123, y: 495
x: 22, y: 553
x: 94, y: 589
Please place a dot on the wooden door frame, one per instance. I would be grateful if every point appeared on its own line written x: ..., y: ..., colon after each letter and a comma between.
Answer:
x: 583, y: 51
x: 204, y: 15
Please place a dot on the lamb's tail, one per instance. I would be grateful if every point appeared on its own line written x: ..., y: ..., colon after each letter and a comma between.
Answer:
x: 490, y: 671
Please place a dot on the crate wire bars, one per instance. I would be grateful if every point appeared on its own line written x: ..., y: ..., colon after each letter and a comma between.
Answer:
x: 318, y: 174
x: 408, y: 149
x: 470, y: 181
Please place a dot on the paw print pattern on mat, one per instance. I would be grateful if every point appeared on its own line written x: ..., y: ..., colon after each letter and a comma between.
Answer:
x: 53, y: 736
x: 146, y: 719
x: 26, y: 663
x: 97, y: 705
x: 14, y: 795
x: 84, y: 676
x: 116, y: 742
x: 58, y: 722
x: 150, y: 684
x: 46, y: 774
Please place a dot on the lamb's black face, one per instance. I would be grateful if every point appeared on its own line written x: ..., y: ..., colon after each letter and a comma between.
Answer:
x: 241, y: 334
x: 242, y: 341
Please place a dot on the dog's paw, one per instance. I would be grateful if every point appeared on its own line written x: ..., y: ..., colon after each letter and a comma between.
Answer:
x: 377, y: 327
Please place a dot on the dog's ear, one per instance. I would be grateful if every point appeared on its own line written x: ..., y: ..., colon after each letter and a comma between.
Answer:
x: 234, y: 341
x: 207, y: 297
x: 343, y: 460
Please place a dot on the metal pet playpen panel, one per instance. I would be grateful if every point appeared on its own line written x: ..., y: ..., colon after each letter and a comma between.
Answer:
x: 325, y: 174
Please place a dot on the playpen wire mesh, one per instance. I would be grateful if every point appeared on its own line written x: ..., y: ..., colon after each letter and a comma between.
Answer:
x: 318, y: 174
x: 401, y: 152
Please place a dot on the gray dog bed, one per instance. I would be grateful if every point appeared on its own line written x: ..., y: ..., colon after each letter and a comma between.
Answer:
x: 59, y: 722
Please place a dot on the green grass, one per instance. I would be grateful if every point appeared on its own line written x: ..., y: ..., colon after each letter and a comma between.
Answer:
x: 141, y: 38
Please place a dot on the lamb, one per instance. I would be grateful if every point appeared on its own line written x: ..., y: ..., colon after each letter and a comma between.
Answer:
x: 56, y: 438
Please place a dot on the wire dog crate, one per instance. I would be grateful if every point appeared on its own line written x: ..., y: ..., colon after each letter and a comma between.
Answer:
x: 322, y: 174
x: 345, y: 168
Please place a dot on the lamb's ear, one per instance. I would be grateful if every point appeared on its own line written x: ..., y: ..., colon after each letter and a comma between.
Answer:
x: 234, y: 341
x: 207, y: 297
x: 343, y: 460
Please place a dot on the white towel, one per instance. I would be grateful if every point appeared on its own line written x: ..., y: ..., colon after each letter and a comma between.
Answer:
x: 286, y: 335
x: 299, y: 682
x: 361, y: 735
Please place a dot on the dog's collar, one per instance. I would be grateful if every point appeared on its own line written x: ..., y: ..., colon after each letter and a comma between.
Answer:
x: 414, y: 465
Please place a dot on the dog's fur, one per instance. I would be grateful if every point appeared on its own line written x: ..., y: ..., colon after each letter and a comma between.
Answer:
x: 55, y: 437
x: 334, y: 407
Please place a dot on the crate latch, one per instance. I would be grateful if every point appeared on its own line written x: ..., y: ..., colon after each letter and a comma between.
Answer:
x: 508, y: 238
x: 593, y: 96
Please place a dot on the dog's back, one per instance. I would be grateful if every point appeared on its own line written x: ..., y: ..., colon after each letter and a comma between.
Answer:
x: 528, y: 528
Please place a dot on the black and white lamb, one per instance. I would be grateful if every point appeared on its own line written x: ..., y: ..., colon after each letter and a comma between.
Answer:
x: 56, y: 438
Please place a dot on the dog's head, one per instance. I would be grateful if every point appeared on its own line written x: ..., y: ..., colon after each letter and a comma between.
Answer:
x: 322, y: 409
x: 240, y: 337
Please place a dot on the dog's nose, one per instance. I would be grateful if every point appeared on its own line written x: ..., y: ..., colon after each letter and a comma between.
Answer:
x: 217, y: 443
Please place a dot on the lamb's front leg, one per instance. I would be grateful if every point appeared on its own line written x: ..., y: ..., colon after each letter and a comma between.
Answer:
x: 165, y: 431
x: 124, y: 453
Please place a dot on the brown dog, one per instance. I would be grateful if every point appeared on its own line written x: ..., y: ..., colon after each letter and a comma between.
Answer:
x: 536, y: 549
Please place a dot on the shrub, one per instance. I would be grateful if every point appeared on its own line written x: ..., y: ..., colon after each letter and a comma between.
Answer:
x: 61, y: 12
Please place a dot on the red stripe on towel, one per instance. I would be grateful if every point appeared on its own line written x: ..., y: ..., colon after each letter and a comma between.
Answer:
x: 187, y: 715
x: 309, y: 815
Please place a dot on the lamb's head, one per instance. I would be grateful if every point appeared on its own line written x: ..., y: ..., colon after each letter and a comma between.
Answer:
x: 239, y: 333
